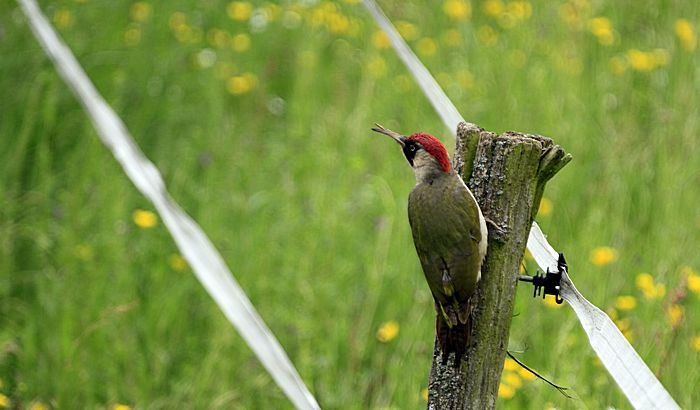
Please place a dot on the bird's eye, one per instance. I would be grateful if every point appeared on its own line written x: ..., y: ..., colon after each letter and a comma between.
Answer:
x: 412, y: 148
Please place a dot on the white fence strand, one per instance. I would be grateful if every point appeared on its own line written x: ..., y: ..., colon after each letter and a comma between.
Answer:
x: 206, y: 262
x: 437, y: 97
x: 637, y: 382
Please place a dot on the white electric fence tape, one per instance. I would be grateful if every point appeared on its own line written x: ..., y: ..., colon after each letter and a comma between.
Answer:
x: 637, y: 382
x: 437, y: 97
x: 206, y: 262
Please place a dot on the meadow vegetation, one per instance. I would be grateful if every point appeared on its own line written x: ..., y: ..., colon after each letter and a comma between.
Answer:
x: 258, y: 116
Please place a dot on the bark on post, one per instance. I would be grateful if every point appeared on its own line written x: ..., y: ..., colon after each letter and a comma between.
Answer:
x: 507, y: 174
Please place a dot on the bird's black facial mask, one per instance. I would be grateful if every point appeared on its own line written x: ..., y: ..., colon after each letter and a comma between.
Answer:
x: 410, y: 148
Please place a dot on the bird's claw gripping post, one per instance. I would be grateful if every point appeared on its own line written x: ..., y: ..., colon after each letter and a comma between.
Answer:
x: 550, y: 282
x: 496, y: 231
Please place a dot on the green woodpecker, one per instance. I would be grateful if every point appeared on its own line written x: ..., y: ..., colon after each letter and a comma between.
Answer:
x: 449, y: 231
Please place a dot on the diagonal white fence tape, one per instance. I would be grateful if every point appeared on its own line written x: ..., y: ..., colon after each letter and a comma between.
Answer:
x: 637, y: 382
x: 437, y: 97
x: 206, y: 262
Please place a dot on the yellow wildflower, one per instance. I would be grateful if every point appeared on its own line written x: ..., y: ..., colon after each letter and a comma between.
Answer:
x: 291, y: 19
x: 526, y: 374
x: 603, y: 255
x: 218, y: 38
x: 144, y: 219
x: 510, y: 364
x: 424, y: 394
x: 337, y: 23
x: 426, y: 46
x: 617, y: 65
x: 551, y: 302
x: 487, y: 35
x: 240, y: 42
x: 241, y: 84
x: 570, y: 14
x: 452, y: 37
x: 376, y: 66
x: 183, y: 33
x: 625, y: 303
x: 388, y: 331
x: 5, y: 401
x: 507, y: 20
x: 407, y: 30
x: 177, y: 262
x: 494, y: 8
x: 659, y: 292
x: 505, y: 391
x: 692, y: 279
x: 317, y: 17
x: 177, y: 19
x: 521, y: 10
x: 273, y: 11
x: 546, y: 207
x: 132, y: 35
x: 686, y: 34
x: 695, y: 343
x: 647, y: 60
x: 675, y: 314
x: 37, y: 405
x: 84, y: 252
x: 354, y: 27
x: 625, y: 326
x: 239, y: 10
x: 328, y: 7
x: 628, y: 334
x: 380, y: 40
x: 63, y: 18
x: 571, y: 63
x: 645, y: 283
x: 465, y: 79
x: 512, y: 379
x: 120, y: 407
x: 602, y: 29
x: 140, y: 11
x: 403, y: 83
x: 457, y: 9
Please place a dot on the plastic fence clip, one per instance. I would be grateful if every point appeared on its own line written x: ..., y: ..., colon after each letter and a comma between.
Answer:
x: 550, y: 282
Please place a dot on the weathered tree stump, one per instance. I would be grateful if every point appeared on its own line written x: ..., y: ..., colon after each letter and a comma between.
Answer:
x: 507, y: 174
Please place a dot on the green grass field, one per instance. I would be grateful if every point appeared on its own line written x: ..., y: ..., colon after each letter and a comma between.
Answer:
x: 258, y: 116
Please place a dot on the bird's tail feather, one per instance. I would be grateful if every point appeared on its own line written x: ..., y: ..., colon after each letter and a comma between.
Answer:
x: 453, y: 330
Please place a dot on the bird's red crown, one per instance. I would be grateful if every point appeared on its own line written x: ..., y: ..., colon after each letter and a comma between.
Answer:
x: 434, y: 148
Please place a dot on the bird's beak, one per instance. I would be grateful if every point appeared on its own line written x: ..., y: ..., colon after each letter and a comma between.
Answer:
x: 394, y: 135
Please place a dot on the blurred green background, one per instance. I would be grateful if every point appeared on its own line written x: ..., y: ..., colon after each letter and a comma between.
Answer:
x: 258, y: 116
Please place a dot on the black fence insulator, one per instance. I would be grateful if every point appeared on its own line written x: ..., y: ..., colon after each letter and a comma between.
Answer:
x: 550, y: 282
